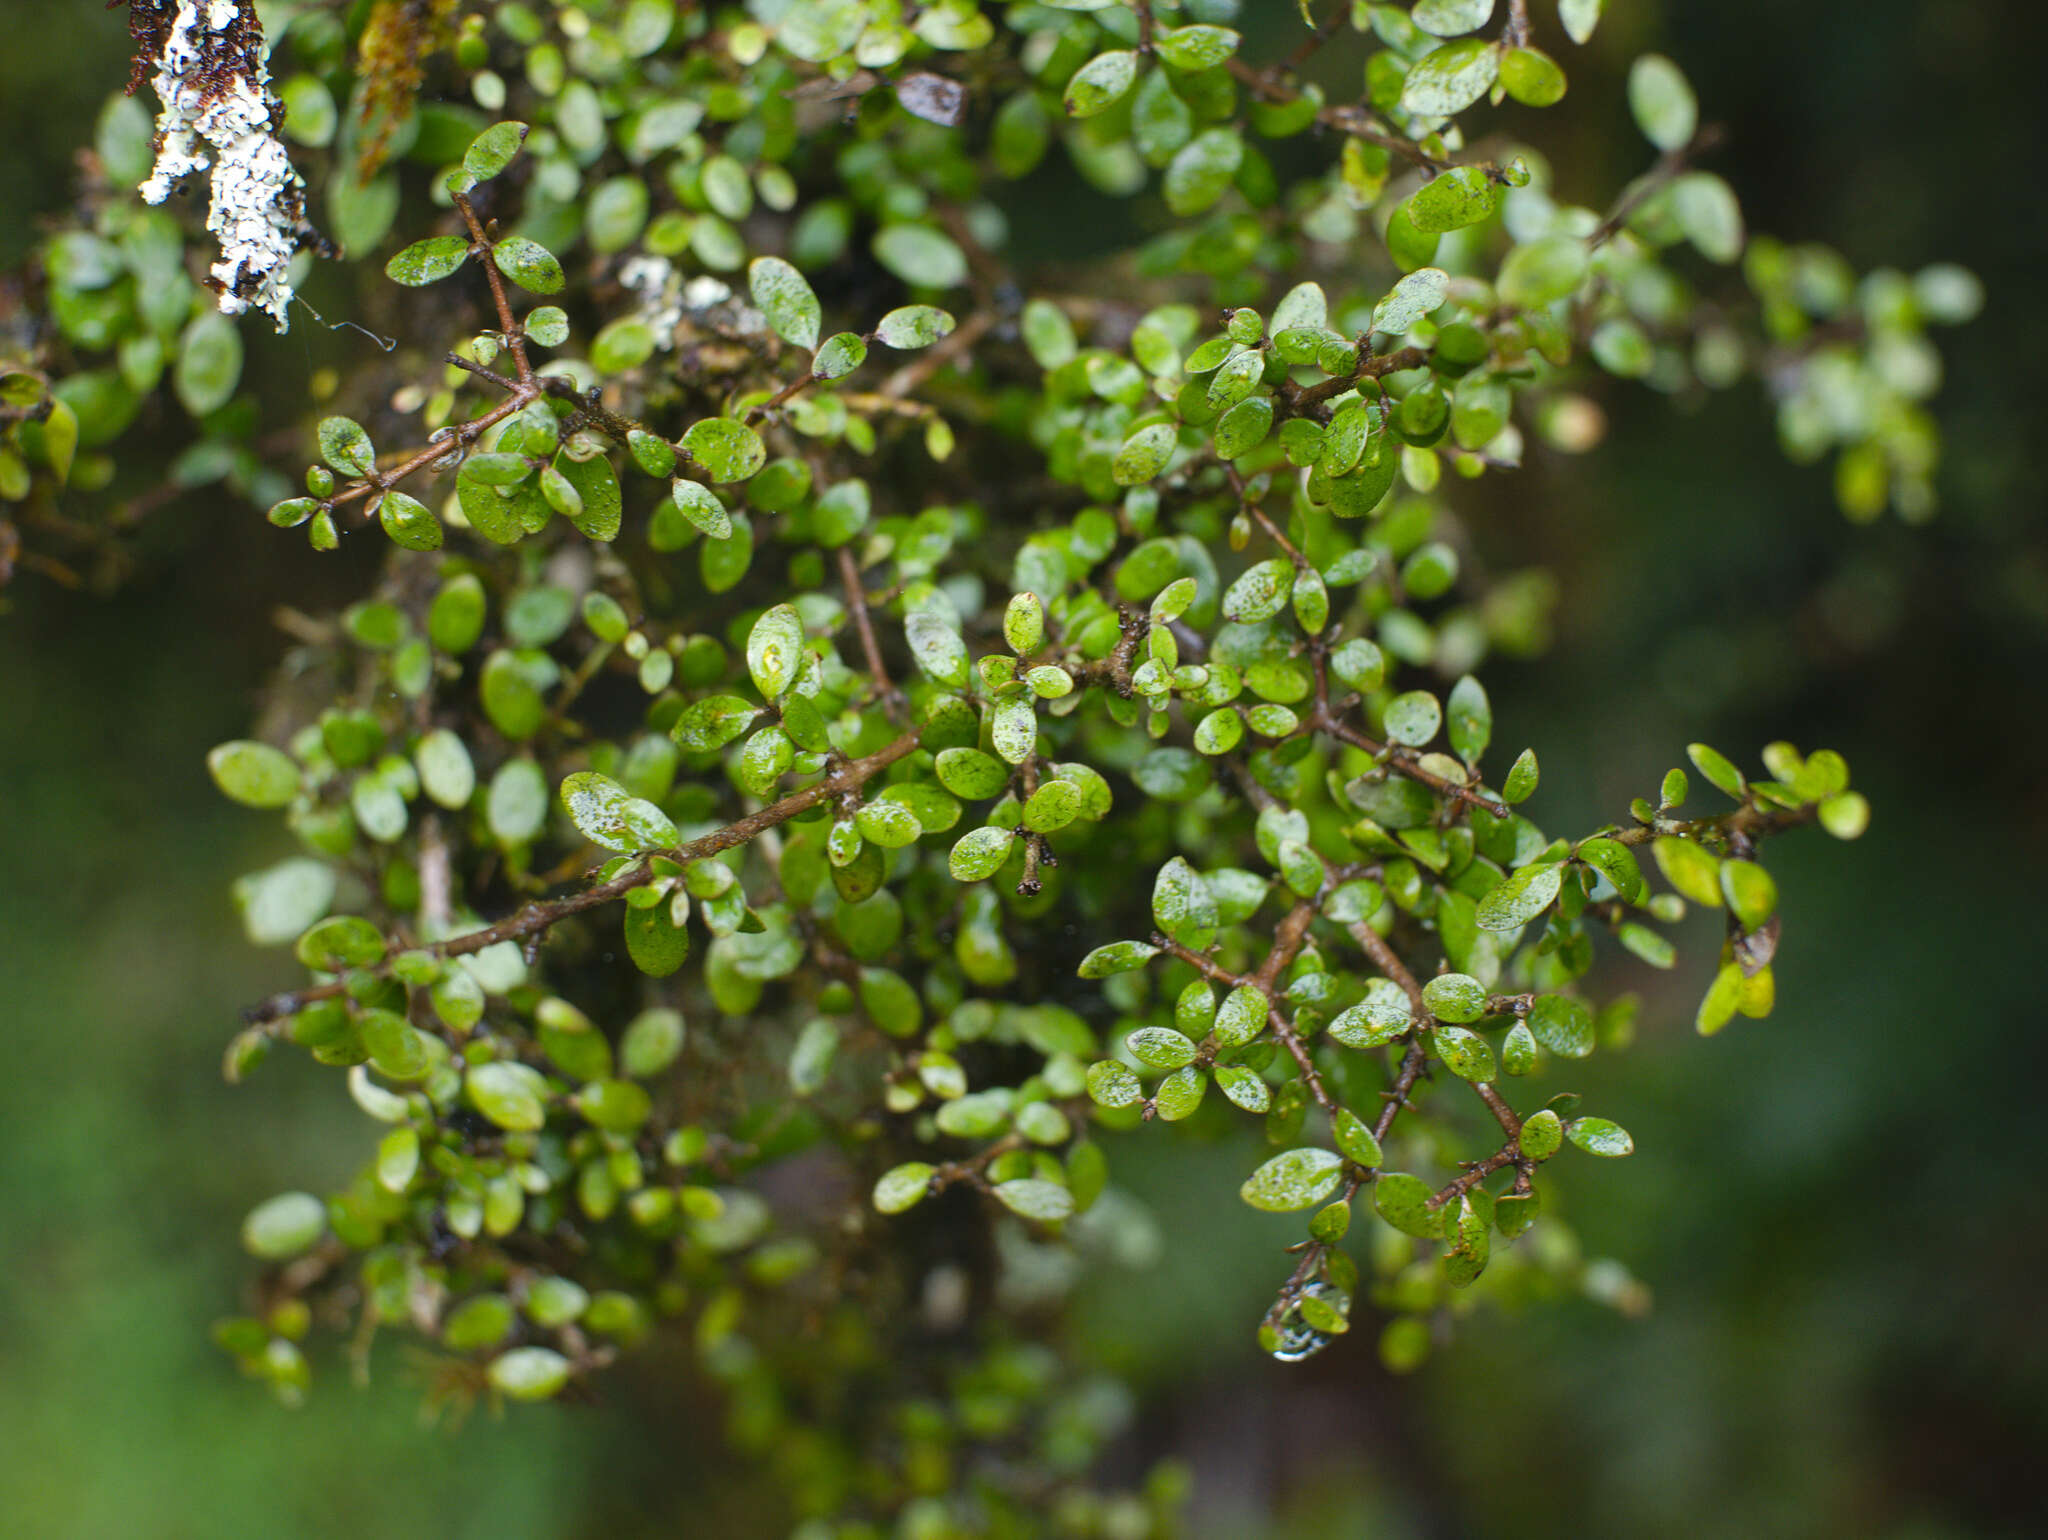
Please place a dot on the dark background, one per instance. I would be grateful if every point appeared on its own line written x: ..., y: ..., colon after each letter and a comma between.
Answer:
x: 1837, y: 1209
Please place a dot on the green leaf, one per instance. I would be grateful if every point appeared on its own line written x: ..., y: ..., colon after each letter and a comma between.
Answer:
x: 1449, y: 79
x: 345, y: 446
x: 1143, y: 455
x: 1113, y: 1085
x: 1116, y: 957
x: 1532, y: 77
x: 1035, y: 1199
x: 970, y: 773
x: 1544, y: 270
x: 254, y: 774
x: 1381, y: 1017
x: 1180, y: 1094
x: 1598, y: 1136
x: 903, y: 1187
x: 1294, y: 1180
x: 1415, y: 296
x: 1580, y: 17
x: 607, y: 814
x: 980, y: 853
x: 1183, y: 905
x: 447, y: 774
x: 1461, y: 196
x: 913, y: 326
x: 1465, y: 1054
x: 1542, y: 1134
x: 1160, y: 1047
x: 708, y: 725
x: 1195, y: 47
x: 726, y: 448
x: 700, y: 505
x: 1402, y: 1201
x: 936, y: 646
x: 1617, y: 863
x: 1524, y: 895
x: 1202, y: 171
x: 427, y: 261
x: 340, y: 943
x: 617, y: 1106
x: 1647, y: 944
x: 1412, y: 719
x: 492, y: 150
x: 1354, y: 1138
x: 921, y: 256
x: 842, y: 353
x: 785, y: 297
x: 529, y: 264
x: 890, y: 825
x: 1242, y: 1016
x: 1845, y: 815
x: 529, y: 1373
x: 1718, y: 769
x: 775, y: 651
x: 1750, y: 891
x: 653, y: 1040
x: 1693, y: 871
x: 1709, y: 214
x: 1260, y: 591
x: 1522, y: 777
x: 1014, y: 730
x: 1243, y: 1087
x: 1449, y: 18
x: 548, y: 325
x: 284, y: 1227
x: 1455, y: 997
x: 510, y: 1095
x: 1563, y: 1025
x: 407, y: 521
x: 281, y: 901
x: 1101, y: 83
x: 209, y: 364
x: 1664, y: 106
x: 1244, y: 427
x: 597, y: 488
x: 1052, y: 807
x: 1471, y: 719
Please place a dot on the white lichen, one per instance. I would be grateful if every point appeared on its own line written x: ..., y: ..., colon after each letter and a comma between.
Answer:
x: 218, y: 109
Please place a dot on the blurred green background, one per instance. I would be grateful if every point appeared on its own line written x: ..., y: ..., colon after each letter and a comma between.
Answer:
x: 1837, y: 1210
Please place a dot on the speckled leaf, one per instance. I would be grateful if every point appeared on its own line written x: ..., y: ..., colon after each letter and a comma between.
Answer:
x: 1294, y: 1180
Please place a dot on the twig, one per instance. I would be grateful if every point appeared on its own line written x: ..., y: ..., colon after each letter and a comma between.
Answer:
x: 864, y: 627
x: 907, y: 379
x: 1356, y: 121
x: 1402, y: 761
x: 537, y: 918
x: 1669, y: 165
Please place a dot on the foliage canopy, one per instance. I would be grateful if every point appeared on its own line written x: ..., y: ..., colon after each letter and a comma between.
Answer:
x: 916, y: 715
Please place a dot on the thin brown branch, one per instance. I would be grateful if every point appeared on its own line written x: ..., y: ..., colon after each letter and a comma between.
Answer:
x: 537, y: 918
x: 515, y: 334
x: 1645, y: 187
x: 1402, y: 761
x: 864, y: 627
x: 905, y: 381
x: 1325, y: 30
x: 1357, y: 121
x: 1370, y: 367
x: 1387, y: 960
x: 1395, y: 1097
x: 1509, y: 1154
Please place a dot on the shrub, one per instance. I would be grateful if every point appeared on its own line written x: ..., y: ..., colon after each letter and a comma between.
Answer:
x: 853, y: 716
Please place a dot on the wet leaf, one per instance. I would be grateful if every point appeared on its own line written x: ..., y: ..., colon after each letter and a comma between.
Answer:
x: 1294, y: 1180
